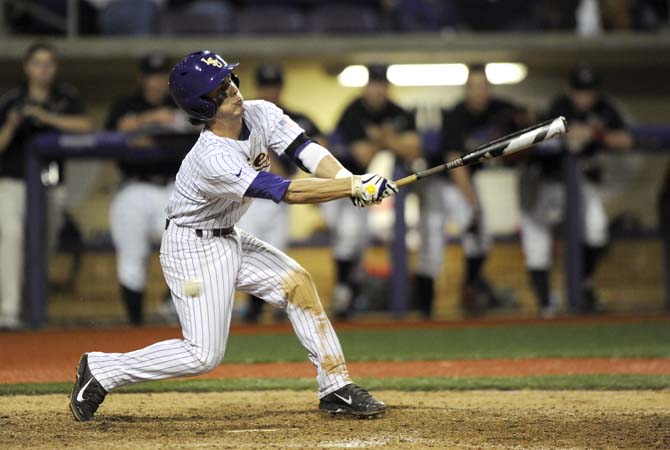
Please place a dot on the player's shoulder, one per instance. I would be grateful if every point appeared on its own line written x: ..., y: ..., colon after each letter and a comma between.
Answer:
x: 260, y: 106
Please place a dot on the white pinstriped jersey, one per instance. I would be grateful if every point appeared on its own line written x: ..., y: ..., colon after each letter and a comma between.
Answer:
x: 210, y: 186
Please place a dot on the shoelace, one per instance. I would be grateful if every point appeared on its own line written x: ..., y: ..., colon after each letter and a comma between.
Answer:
x: 360, y: 393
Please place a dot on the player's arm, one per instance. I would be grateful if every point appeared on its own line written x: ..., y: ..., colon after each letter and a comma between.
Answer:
x: 76, y: 123
x: 8, y: 128
x: 406, y: 144
x: 315, y: 159
x: 463, y: 180
x: 370, y: 188
x: 617, y: 139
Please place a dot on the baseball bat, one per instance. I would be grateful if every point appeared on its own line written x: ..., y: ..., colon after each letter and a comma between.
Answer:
x: 506, y: 145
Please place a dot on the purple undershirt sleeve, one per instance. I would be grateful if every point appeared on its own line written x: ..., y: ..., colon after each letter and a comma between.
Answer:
x: 269, y: 186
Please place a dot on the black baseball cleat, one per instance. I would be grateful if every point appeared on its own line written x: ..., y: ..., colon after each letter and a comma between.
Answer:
x: 352, y: 400
x: 87, y: 394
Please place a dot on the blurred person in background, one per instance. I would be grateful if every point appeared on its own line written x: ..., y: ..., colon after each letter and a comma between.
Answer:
x: 476, y: 120
x: 594, y: 125
x: 41, y: 104
x: 137, y: 212
x: 265, y: 219
x: 370, y: 124
x: 127, y: 17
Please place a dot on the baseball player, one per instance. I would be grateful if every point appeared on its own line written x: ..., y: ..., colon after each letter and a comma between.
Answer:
x: 205, y: 258
x: 269, y: 85
x: 370, y: 124
x: 595, y: 125
x: 41, y: 104
x: 478, y: 119
x: 137, y: 212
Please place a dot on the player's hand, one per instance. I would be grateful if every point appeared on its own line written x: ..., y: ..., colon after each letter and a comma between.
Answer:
x: 371, y: 189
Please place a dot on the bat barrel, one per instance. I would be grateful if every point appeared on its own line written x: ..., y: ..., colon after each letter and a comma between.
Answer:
x: 518, y: 141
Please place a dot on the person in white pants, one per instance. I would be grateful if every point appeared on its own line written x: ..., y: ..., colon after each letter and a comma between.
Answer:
x: 594, y: 125
x: 205, y: 258
x: 137, y: 211
x: 41, y: 105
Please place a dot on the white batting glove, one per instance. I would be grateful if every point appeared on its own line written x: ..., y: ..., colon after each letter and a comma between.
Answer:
x: 370, y: 189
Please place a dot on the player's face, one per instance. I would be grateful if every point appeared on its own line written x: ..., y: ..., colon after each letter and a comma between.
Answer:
x: 155, y: 87
x: 583, y: 100
x: 376, y: 94
x: 228, y: 98
x: 477, y: 91
x: 41, y: 68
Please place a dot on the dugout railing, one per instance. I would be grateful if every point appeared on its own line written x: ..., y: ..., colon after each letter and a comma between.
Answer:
x: 112, y: 146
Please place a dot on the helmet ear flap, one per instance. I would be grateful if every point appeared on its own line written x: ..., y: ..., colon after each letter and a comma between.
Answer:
x: 235, y: 79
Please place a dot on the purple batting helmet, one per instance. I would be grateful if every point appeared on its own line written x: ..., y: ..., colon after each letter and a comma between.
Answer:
x: 194, y: 77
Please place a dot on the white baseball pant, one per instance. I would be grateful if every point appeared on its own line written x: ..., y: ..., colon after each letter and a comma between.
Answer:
x: 442, y: 201
x: 137, y: 220
x: 219, y: 265
x: 548, y: 210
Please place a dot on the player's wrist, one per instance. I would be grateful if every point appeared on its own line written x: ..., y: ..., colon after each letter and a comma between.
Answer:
x: 343, y: 173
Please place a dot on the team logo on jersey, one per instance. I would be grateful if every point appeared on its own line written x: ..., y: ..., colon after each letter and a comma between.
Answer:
x: 261, y: 162
x: 212, y: 62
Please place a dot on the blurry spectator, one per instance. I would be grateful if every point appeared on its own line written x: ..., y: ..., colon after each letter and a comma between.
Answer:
x: 29, y: 17
x: 420, y: 15
x: 595, y: 125
x: 41, y: 104
x: 372, y: 123
x: 137, y: 212
x: 127, y: 17
x: 269, y: 86
x: 497, y: 15
x: 557, y: 14
x: 478, y: 119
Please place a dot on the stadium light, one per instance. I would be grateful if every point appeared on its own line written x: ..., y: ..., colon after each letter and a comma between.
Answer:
x: 353, y: 76
x: 434, y: 74
x: 427, y: 74
x: 506, y: 73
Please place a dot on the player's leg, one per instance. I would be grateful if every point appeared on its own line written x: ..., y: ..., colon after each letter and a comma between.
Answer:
x: 349, y: 230
x: 275, y: 232
x: 536, y: 240
x: 595, y: 241
x: 278, y: 279
x: 12, y: 205
x: 476, y: 292
x: 201, y: 273
x: 130, y: 219
x: 432, y: 218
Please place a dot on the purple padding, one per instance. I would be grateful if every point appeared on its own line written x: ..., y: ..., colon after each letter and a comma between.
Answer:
x: 269, y: 186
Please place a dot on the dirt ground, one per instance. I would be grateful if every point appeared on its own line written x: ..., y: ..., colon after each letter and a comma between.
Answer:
x: 289, y: 419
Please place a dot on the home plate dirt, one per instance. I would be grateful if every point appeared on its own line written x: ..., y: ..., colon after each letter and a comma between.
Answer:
x: 289, y: 419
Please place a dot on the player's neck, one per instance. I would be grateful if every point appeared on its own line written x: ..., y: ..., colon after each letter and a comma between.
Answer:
x: 230, y: 129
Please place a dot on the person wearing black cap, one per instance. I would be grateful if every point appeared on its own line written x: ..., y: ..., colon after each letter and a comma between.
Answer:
x: 41, y: 104
x: 594, y: 125
x: 479, y: 118
x: 370, y: 124
x: 137, y: 212
x: 269, y: 87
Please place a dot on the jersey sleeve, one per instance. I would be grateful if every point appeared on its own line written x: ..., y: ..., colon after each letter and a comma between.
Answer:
x: 282, y: 130
x: 226, y: 175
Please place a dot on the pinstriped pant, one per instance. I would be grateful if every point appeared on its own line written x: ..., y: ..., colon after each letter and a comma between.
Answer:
x: 220, y: 265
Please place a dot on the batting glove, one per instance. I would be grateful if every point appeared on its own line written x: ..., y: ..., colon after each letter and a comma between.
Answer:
x: 370, y: 189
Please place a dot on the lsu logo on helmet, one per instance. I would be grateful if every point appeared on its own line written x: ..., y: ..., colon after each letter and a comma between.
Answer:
x: 210, y: 61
